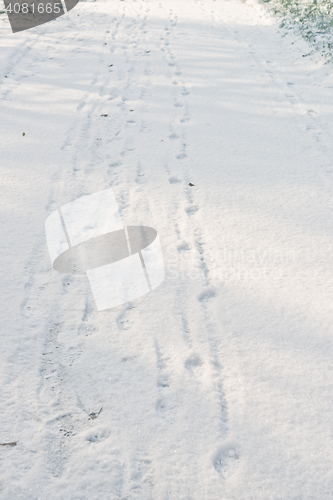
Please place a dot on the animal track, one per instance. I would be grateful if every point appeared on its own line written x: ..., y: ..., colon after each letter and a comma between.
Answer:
x: 226, y: 460
x: 192, y: 209
x: 174, y: 180
x: 87, y: 330
x: 97, y: 435
x: 183, y: 247
x: 192, y: 362
x: 207, y: 295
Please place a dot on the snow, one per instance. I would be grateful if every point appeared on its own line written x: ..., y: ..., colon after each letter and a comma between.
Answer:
x: 217, y: 384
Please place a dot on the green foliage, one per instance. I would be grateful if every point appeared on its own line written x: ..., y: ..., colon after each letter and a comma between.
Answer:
x: 313, y: 19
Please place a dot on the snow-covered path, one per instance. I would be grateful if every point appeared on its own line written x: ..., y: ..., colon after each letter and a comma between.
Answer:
x: 219, y: 383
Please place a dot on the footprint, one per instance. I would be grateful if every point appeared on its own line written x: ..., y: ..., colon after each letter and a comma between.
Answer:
x: 72, y: 355
x: 163, y: 381
x: 173, y: 136
x: 97, y: 435
x: 192, y: 209
x: 192, y: 362
x: 127, y: 358
x: 115, y: 164
x: 207, y: 295
x: 140, y: 178
x: 174, y: 180
x: 183, y: 247
x: 87, y: 330
x: 226, y: 459
x: 123, y: 320
x: 167, y: 409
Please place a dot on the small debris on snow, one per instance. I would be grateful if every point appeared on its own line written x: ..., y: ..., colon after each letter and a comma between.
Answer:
x: 93, y: 415
x: 14, y: 443
x: 190, y: 184
x: 104, y: 115
x: 23, y: 134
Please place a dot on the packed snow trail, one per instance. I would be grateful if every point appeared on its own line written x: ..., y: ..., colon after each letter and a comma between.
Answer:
x: 218, y: 384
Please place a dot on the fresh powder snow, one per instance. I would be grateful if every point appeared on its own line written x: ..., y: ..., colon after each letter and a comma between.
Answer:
x: 208, y: 124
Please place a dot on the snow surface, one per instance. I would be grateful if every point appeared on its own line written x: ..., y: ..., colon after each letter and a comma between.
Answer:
x: 219, y: 383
